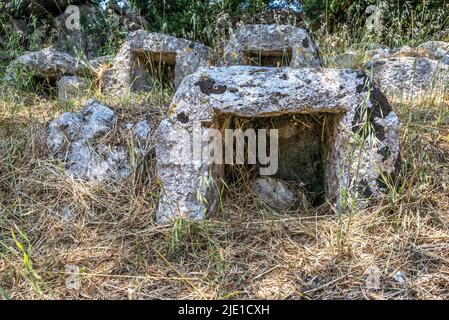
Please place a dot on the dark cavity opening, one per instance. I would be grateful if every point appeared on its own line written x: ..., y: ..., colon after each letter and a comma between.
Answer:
x: 305, y: 142
x: 278, y: 58
x: 42, y: 86
x: 155, y: 68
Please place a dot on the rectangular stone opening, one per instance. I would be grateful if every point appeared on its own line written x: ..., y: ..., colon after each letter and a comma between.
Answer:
x: 277, y: 58
x: 160, y: 66
x: 46, y: 86
x: 306, y: 148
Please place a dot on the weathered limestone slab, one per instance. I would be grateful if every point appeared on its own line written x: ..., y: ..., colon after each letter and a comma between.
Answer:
x: 271, y: 45
x: 146, y: 54
x: 410, y: 75
x: 46, y: 63
x: 279, y: 15
x: 359, y: 140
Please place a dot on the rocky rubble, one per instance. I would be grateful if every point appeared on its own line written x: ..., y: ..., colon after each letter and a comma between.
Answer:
x: 53, y: 20
x: 79, y: 140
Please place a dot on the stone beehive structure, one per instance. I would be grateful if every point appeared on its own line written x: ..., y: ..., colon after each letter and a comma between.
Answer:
x: 338, y: 132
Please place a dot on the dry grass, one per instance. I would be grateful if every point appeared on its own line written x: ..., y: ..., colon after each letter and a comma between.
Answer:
x: 108, y: 232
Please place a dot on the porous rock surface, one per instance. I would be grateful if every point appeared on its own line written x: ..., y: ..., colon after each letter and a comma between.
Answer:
x: 70, y: 87
x: 76, y: 139
x: 269, y: 39
x: 275, y: 192
x: 356, y: 159
x: 46, y: 63
x: 407, y: 74
x: 129, y: 72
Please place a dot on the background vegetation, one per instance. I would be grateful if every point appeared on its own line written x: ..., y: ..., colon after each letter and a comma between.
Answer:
x: 403, y: 22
